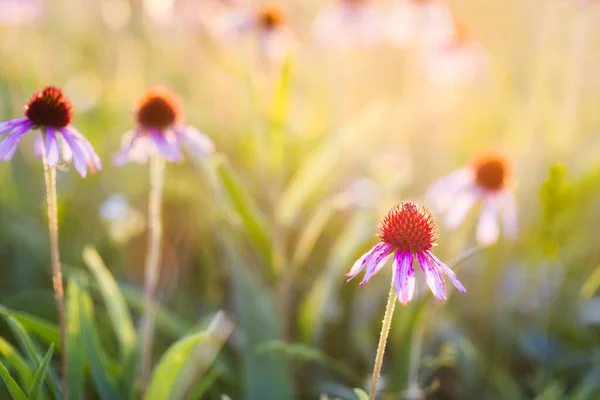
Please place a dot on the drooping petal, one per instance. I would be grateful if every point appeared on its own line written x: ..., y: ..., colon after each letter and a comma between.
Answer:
x: 433, y: 276
x: 462, y: 204
x: 38, y: 145
x: 197, y: 142
x: 509, y: 214
x: 376, y: 263
x: 93, y: 160
x: 443, y: 191
x: 9, y: 145
x: 404, y: 276
x: 446, y: 270
x: 131, y: 150
x: 488, y: 230
x: 8, y: 125
x: 360, y: 264
x: 51, y: 147
x: 168, y: 149
x: 79, y: 158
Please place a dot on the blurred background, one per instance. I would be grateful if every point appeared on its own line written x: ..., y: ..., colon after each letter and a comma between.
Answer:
x: 324, y: 115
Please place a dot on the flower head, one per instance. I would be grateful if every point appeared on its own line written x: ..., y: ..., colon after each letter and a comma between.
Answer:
x: 270, y: 16
x: 487, y: 178
x: 161, y: 130
x: 407, y: 232
x: 50, y: 111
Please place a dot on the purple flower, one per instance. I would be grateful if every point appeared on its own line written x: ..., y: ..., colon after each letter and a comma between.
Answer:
x: 50, y: 111
x: 161, y: 130
x: 407, y: 232
x: 488, y: 179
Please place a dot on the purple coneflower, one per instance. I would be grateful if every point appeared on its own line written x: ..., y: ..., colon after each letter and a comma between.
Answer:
x: 488, y: 179
x: 50, y: 111
x: 407, y: 232
x: 161, y: 130
x: 348, y: 23
x: 420, y: 23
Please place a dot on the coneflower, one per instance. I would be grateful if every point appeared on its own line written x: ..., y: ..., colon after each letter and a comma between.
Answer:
x: 408, y: 232
x: 50, y: 112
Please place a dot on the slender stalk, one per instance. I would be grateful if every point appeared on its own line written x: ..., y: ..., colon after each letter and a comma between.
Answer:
x: 157, y: 172
x: 385, y: 330
x: 57, y: 281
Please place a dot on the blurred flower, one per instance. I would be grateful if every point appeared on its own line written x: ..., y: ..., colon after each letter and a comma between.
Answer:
x: 50, y: 111
x: 407, y: 231
x: 458, y: 60
x: 20, y: 11
x: 487, y: 179
x: 122, y: 219
x: 161, y: 129
x: 348, y: 23
x: 419, y: 23
x: 268, y: 23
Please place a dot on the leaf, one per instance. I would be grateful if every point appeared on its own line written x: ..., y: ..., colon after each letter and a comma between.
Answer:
x: 278, y: 115
x: 31, y: 351
x: 101, y: 373
x: 45, y: 330
x: 18, y: 363
x: 11, y: 384
x: 40, y: 375
x: 253, y: 220
x: 591, y: 284
x: 115, y: 303
x: 170, y: 366
x: 361, y: 394
x: 76, y: 350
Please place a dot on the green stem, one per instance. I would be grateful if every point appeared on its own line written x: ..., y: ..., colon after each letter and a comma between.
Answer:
x: 57, y: 280
x: 157, y: 171
x: 385, y: 330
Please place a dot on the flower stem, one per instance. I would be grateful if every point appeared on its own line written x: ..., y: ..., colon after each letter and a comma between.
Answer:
x: 157, y: 171
x: 385, y: 330
x: 57, y: 280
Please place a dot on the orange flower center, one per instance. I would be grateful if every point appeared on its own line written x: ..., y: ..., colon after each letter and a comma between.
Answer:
x: 270, y: 17
x: 492, y: 171
x: 159, y: 109
x: 49, y: 107
x: 409, y: 226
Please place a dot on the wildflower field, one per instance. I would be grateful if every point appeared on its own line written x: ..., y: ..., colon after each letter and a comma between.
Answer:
x: 341, y: 199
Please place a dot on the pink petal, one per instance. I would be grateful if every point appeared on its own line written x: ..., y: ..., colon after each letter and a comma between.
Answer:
x: 404, y: 276
x: 433, y: 277
x: 442, y: 192
x: 488, y: 230
x: 446, y: 270
x: 360, y: 264
x: 509, y: 214
x: 462, y: 204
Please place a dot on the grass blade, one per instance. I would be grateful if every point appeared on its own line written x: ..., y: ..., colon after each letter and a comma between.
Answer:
x: 17, y: 361
x: 115, y: 303
x: 76, y: 353
x: 40, y: 375
x: 32, y: 352
x: 171, y: 365
x: 101, y: 375
x: 11, y: 384
x: 45, y: 330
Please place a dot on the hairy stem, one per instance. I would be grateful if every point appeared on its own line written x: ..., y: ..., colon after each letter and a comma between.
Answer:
x: 157, y: 170
x: 57, y: 280
x: 385, y: 330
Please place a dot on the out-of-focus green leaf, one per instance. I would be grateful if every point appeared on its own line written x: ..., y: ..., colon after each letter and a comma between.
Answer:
x: 11, y: 384
x: 200, y: 390
x: 17, y: 362
x: 40, y: 375
x: 30, y: 349
x: 257, y: 320
x: 318, y: 165
x: 591, y: 284
x: 361, y: 394
x: 170, y: 366
x: 101, y: 373
x: 278, y: 115
x: 554, y: 199
x: 254, y: 222
x: 76, y: 351
x: 46, y: 331
x: 115, y: 303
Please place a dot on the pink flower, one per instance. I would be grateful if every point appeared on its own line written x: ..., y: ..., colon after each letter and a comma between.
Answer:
x: 347, y: 24
x: 486, y: 179
x: 407, y: 232
x: 419, y: 23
